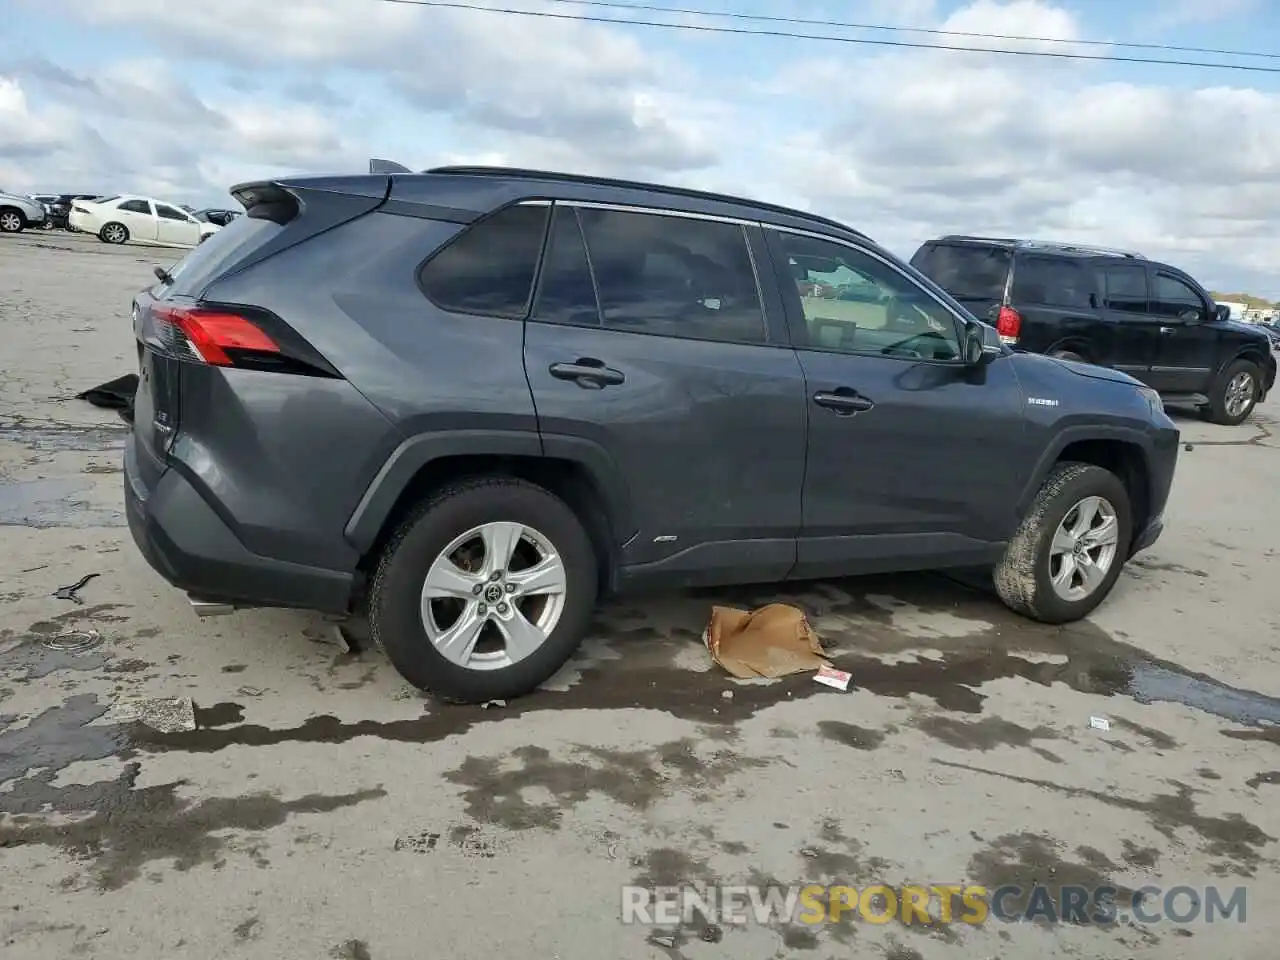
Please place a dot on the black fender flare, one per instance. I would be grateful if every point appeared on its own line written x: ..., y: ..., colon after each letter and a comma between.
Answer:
x: 412, y: 454
x: 1075, y: 434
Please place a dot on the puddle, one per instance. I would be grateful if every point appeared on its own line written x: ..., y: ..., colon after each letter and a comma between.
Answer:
x: 52, y: 503
x: 640, y: 672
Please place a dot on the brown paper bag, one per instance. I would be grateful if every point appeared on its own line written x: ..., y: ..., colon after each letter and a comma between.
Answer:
x: 771, y: 641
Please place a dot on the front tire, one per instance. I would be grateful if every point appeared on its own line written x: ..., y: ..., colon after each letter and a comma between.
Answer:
x: 11, y: 220
x: 1234, y: 394
x: 485, y: 590
x: 114, y: 233
x: 1069, y: 549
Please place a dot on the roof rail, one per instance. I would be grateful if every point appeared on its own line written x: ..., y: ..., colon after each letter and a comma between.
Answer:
x: 527, y: 174
x: 1050, y: 245
x: 1009, y: 241
x: 1082, y: 248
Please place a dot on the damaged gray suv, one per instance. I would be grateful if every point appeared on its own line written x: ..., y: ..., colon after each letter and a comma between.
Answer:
x: 471, y: 401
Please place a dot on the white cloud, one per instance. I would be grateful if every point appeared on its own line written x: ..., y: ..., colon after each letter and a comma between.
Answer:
x: 904, y: 144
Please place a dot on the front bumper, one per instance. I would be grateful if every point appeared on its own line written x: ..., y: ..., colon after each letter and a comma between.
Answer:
x: 184, y: 540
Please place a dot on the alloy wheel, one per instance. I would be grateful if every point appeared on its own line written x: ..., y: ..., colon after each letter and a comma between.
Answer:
x: 1239, y: 394
x: 1083, y: 549
x: 493, y: 596
x: 10, y: 222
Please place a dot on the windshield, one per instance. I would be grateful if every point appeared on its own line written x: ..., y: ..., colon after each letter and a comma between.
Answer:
x: 965, y: 270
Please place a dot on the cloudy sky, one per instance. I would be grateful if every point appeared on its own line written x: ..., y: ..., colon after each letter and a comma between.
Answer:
x: 181, y: 98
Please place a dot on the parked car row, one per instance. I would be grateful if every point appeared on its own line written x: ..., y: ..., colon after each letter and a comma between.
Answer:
x: 117, y: 218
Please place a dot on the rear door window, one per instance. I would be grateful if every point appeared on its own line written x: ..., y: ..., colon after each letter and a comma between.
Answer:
x: 136, y: 206
x: 1052, y: 282
x: 674, y: 276
x: 489, y: 268
x: 1125, y: 287
x: 969, y: 271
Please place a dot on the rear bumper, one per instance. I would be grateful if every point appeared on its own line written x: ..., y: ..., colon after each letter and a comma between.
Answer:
x: 186, y: 542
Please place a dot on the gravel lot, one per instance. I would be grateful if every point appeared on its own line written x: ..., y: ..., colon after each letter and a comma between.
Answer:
x: 324, y: 809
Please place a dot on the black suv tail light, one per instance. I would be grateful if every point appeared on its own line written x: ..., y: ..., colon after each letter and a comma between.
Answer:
x: 1009, y: 324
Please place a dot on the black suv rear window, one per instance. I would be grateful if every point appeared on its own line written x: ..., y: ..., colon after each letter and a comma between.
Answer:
x: 969, y: 271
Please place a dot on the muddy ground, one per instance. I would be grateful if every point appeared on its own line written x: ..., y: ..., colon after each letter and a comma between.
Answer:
x: 322, y: 808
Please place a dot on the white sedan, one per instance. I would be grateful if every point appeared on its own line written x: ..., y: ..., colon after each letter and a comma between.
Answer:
x: 140, y: 219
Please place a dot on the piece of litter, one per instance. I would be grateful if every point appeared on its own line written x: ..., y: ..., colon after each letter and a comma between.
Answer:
x: 833, y: 677
x: 663, y: 941
x: 1100, y: 723
x: 69, y: 593
x: 73, y: 641
x: 492, y: 703
x: 771, y: 641
x: 162, y: 714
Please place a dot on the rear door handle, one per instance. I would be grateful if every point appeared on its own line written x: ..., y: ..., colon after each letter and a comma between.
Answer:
x: 588, y: 373
x: 844, y: 402
x: 1167, y: 330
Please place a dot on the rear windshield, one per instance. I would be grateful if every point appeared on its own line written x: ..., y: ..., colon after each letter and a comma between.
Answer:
x: 219, y: 253
x: 965, y: 270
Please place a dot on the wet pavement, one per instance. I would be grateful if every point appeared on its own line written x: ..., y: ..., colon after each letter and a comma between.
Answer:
x: 322, y: 808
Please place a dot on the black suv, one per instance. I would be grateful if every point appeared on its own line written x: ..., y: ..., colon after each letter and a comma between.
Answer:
x: 1112, y: 308
x: 471, y: 400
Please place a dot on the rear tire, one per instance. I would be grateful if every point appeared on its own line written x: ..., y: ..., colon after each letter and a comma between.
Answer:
x: 1234, y: 394
x: 114, y: 233
x: 404, y: 625
x: 11, y: 220
x: 1024, y: 577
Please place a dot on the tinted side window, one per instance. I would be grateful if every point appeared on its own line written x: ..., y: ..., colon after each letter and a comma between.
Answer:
x: 1053, y: 282
x: 674, y: 276
x: 170, y: 213
x: 135, y: 206
x: 489, y: 268
x: 566, y: 293
x: 1126, y: 287
x: 1173, y: 297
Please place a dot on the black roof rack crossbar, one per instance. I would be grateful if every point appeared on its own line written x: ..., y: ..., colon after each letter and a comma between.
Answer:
x: 486, y: 171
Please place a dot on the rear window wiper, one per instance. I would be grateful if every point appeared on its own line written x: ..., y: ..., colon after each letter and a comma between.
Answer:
x: 163, y: 275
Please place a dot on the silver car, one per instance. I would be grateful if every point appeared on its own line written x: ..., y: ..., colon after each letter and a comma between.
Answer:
x: 17, y: 212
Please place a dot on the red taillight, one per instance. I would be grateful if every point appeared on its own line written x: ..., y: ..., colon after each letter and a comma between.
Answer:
x: 1009, y: 324
x: 210, y: 334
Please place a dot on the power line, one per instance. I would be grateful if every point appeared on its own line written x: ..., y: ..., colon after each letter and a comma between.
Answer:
x: 861, y: 41
x: 932, y: 31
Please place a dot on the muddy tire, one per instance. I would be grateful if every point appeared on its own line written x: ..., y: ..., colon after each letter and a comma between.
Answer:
x: 1234, y: 394
x: 484, y: 591
x: 1053, y: 569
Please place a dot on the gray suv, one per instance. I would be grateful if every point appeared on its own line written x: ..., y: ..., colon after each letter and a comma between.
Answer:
x: 470, y: 401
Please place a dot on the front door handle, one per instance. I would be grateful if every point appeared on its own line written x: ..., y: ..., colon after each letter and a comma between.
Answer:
x: 588, y: 373
x: 1167, y: 330
x: 843, y: 401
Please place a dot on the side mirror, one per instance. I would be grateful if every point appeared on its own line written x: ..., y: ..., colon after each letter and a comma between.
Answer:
x: 1221, y: 312
x: 979, y: 347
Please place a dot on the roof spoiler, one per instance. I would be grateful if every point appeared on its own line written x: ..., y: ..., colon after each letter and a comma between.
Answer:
x: 387, y: 166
